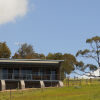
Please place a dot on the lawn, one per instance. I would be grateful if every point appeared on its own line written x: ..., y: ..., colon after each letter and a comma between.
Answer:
x: 87, y: 92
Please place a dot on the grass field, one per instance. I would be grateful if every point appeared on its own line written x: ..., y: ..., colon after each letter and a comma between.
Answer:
x: 86, y: 92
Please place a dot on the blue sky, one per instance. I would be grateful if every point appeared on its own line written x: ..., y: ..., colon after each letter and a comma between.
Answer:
x: 54, y: 26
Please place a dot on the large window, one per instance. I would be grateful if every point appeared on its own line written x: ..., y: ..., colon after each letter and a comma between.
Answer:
x: 10, y: 73
x: 5, y: 73
x: 53, y: 73
x: 29, y: 74
x: 16, y: 73
x: 26, y: 73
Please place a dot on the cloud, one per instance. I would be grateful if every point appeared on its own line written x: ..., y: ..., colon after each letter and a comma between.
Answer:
x: 12, y: 9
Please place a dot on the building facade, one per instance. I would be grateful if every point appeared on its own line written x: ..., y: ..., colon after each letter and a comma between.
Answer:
x: 29, y: 73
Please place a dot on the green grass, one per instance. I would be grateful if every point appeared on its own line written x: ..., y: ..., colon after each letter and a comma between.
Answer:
x: 73, y: 82
x: 86, y: 92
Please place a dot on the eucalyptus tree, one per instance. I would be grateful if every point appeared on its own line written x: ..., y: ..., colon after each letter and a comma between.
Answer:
x: 26, y: 51
x: 4, y: 50
x: 92, y: 53
x: 70, y: 62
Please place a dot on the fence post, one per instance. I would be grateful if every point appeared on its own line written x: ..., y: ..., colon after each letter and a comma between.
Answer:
x: 86, y: 81
x: 90, y: 80
x: 10, y: 93
x: 80, y: 82
x: 68, y: 81
x: 74, y: 82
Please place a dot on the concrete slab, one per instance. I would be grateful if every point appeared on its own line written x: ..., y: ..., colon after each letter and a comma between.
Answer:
x: 42, y: 84
x: 22, y: 84
x: 3, y: 85
x: 60, y: 84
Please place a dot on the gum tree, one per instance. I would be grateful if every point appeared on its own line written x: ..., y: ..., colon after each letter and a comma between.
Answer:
x: 92, y: 53
x: 4, y: 50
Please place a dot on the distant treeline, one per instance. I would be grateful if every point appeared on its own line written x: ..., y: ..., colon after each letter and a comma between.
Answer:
x: 70, y: 64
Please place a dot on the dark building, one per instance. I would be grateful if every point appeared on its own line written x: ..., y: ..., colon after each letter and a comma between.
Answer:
x: 29, y: 73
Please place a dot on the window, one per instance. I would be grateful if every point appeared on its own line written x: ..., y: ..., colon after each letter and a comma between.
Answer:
x: 53, y: 73
x: 16, y: 73
x: 5, y: 73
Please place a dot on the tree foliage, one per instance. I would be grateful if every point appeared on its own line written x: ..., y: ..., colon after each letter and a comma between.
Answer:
x: 41, y: 56
x: 92, y: 53
x: 4, y: 50
x: 25, y: 52
x: 69, y: 64
x: 55, y: 56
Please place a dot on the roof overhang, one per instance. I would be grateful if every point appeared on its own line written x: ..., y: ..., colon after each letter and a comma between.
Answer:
x: 30, y: 61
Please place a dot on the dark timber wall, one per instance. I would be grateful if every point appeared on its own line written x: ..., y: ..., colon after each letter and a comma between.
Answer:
x: 12, y: 85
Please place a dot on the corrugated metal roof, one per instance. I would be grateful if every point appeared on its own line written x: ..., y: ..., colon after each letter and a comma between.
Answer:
x: 29, y: 61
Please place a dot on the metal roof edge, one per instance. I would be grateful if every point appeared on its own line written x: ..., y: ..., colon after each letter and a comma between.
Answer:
x: 40, y: 60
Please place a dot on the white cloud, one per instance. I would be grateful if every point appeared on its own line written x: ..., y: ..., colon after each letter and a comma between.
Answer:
x: 12, y: 9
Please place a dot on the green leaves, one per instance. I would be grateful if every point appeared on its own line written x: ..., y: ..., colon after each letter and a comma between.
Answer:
x: 93, y: 39
x: 91, y: 67
x: 55, y: 56
x: 26, y: 51
x: 69, y: 61
x: 89, y: 41
x: 4, y: 50
x: 68, y: 66
x: 93, y: 53
x: 84, y: 52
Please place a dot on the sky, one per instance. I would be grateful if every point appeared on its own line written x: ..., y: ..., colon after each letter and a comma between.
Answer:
x: 49, y: 25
